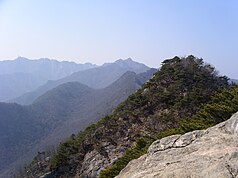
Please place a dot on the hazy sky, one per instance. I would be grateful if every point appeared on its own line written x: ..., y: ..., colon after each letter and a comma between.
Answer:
x: 98, y: 31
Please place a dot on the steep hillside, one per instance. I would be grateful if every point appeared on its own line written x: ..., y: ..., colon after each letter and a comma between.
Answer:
x: 17, y: 131
x: 23, y: 127
x: 57, y: 114
x: 176, y: 92
x: 207, y: 153
x: 23, y: 75
x: 97, y: 78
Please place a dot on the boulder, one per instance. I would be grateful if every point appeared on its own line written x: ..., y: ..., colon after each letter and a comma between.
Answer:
x: 211, y: 153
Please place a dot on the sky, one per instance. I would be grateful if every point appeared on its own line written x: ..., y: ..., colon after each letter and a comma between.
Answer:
x: 99, y: 31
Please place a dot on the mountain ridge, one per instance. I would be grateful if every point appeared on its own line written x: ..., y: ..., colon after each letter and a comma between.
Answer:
x: 98, y: 77
x: 176, y: 91
x: 64, y: 110
x: 23, y: 75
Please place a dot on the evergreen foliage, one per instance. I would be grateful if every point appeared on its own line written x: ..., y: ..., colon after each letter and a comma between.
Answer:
x: 221, y: 107
x: 167, y: 104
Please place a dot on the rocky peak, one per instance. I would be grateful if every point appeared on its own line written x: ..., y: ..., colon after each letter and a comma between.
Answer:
x: 207, y: 153
x: 104, y: 148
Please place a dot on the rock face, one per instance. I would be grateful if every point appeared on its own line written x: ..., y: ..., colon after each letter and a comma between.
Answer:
x: 210, y: 153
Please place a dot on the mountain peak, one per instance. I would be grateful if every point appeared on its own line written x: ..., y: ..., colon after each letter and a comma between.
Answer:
x: 131, y: 65
x: 21, y: 58
x: 125, y: 60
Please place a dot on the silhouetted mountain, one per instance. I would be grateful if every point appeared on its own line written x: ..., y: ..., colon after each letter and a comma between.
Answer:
x: 23, y: 75
x: 97, y: 78
x: 57, y: 114
x: 45, y: 68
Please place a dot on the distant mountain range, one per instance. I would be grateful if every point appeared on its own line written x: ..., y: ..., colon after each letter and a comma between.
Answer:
x: 97, y: 78
x: 24, y: 75
x: 66, y: 108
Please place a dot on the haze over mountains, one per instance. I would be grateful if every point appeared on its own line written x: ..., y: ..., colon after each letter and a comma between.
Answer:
x: 65, y: 107
x: 98, y: 77
x: 24, y: 75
